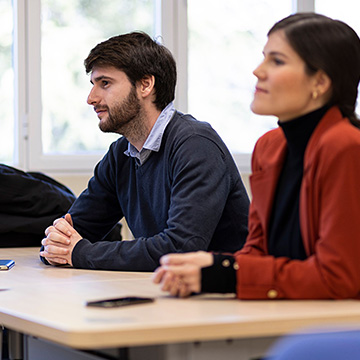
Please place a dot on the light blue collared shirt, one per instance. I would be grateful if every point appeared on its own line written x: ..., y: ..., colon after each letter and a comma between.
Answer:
x: 153, y: 141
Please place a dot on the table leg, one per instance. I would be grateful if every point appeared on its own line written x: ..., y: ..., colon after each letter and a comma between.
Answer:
x: 16, y: 345
x: 1, y: 341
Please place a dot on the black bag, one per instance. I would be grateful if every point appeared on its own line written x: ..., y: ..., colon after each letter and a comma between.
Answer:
x: 29, y: 203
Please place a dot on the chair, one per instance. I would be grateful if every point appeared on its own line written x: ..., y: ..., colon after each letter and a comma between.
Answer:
x: 340, y: 345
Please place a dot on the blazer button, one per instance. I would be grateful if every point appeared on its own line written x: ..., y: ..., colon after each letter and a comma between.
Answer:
x: 226, y: 263
x: 272, y: 294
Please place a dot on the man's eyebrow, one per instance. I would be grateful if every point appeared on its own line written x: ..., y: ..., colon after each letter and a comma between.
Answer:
x: 99, y: 78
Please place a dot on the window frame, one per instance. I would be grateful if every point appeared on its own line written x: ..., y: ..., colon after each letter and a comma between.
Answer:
x: 171, y: 25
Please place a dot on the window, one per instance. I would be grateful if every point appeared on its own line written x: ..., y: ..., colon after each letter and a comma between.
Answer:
x: 225, y: 45
x: 70, y: 138
x: 45, y: 123
x: 69, y: 30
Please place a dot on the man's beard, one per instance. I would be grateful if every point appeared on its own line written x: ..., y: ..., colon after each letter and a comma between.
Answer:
x: 125, y: 118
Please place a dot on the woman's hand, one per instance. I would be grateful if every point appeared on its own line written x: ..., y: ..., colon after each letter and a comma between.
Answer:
x: 180, y: 274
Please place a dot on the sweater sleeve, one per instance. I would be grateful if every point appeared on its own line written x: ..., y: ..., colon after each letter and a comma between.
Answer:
x: 96, y: 211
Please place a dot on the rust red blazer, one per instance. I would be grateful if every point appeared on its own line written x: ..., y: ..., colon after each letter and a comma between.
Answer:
x: 329, y: 218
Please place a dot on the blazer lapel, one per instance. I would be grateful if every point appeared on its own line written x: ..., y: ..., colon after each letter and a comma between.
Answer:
x: 265, y: 178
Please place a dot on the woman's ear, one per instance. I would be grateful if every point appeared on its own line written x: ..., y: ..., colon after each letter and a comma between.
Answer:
x: 322, y: 84
x: 147, y: 85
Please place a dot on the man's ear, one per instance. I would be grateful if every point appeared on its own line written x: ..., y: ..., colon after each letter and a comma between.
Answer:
x: 146, y: 85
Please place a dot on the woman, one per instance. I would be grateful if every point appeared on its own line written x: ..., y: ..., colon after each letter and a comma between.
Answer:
x: 304, y: 228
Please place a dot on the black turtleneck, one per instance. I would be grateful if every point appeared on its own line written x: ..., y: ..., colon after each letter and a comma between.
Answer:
x: 284, y: 228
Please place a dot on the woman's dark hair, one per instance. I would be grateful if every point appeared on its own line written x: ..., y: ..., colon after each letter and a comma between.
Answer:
x: 137, y: 55
x: 328, y: 45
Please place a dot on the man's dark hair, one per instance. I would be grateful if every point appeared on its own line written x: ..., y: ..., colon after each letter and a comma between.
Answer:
x: 137, y: 55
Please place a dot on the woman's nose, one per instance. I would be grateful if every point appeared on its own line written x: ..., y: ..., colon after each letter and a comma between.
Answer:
x: 259, y: 71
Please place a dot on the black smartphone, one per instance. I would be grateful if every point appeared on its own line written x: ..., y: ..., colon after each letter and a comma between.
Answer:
x: 117, y: 302
x: 6, y: 264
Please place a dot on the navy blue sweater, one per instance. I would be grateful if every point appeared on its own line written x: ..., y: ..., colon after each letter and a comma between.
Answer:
x: 188, y: 196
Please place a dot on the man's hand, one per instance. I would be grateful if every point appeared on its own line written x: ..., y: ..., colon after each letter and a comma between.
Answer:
x: 60, y: 241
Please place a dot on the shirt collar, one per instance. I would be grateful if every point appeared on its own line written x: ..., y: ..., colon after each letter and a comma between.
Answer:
x: 153, y: 141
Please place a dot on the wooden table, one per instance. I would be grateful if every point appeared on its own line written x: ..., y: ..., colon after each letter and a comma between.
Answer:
x: 47, y: 305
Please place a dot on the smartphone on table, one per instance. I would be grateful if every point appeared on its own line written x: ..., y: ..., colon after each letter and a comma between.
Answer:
x: 117, y: 302
x: 6, y: 264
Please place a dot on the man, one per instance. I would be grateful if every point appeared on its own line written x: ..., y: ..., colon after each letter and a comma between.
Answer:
x: 170, y: 176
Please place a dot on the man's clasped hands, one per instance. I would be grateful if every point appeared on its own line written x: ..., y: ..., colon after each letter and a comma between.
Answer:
x: 61, y: 238
x: 178, y: 274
